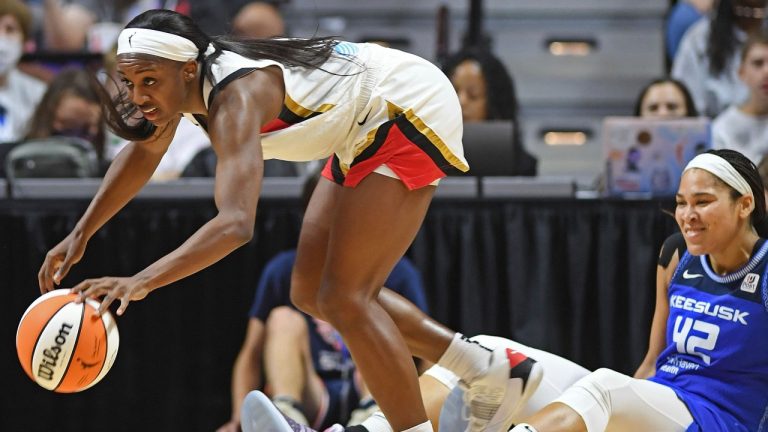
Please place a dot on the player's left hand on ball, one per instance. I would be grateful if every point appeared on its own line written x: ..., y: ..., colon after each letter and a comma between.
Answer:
x: 123, y: 289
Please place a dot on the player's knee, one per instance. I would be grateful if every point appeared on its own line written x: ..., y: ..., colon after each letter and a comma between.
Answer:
x: 605, y: 378
x: 591, y: 396
x: 284, y: 321
x: 342, y: 310
x: 599, y: 384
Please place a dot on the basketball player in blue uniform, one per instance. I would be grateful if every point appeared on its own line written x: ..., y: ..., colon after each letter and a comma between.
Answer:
x: 707, y: 364
x: 706, y: 367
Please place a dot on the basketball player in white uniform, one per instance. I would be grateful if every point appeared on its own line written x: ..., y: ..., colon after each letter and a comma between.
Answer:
x: 390, y: 124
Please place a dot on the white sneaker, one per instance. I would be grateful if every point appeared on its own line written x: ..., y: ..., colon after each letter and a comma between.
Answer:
x: 495, y: 396
x: 259, y: 414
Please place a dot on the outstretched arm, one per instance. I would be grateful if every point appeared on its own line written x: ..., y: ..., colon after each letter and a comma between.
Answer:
x: 234, y: 120
x: 127, y: 174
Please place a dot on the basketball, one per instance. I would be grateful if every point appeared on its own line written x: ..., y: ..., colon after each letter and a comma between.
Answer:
x: 64, y: 346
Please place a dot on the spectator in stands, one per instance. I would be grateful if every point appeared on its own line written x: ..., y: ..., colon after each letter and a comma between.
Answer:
x: 68, y: 25
x: 258, y: 20
x: 93, y: 25
x: 708, y: 58
x: 76, y: 25
x: 744, y: 127
x: 72, y: 107
x: 665, y: 97
x: 306, y: 365
x: 681, y: 17
x: 486, y: 92
x: 661, y: 98
x: 19, y: 92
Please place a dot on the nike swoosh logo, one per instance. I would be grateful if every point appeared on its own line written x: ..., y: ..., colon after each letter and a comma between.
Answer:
x: 360, y: 123
x: 687, y: 275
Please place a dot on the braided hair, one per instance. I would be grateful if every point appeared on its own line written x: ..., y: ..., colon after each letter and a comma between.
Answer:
x: 722, y: 37
x: 747, y: 169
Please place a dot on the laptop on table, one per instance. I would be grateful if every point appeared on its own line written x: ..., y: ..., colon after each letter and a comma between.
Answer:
x: 646, y: 157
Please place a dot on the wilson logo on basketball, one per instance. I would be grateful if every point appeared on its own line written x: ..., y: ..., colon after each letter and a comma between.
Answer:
x: 65, y: 345
x: 51, y: 355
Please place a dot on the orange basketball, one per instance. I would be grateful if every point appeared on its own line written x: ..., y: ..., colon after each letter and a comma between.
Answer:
x: 65, y: 346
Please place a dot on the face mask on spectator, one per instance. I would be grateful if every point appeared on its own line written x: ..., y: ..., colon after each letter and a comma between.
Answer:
x: 10, y: 53
x: 82, y: 133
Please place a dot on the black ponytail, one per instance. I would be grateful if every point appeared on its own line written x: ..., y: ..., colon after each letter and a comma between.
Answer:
x: 747, y: 169
x: 722, y: 38
x: 123, y: 116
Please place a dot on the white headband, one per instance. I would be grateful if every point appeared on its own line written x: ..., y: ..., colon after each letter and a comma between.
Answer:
x: 157, y: 43
x: 722, y: 170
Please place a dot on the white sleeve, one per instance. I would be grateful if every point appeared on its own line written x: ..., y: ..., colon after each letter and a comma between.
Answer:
x: 690, y: 68
x: 720, y: 133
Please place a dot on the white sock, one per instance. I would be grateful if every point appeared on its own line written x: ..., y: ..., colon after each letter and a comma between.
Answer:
x: 424, y: 427
x: 523, y: 427
x: 465, y: 358
x: 377, y: 423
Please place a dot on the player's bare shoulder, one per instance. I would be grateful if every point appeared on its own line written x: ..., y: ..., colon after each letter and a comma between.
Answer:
x: 262, y: 89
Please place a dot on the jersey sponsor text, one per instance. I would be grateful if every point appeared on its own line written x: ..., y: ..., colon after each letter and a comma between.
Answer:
x: 707, y: 308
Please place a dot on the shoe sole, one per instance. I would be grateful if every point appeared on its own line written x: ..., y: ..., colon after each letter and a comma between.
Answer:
x: 512, y: 402
x: 260, y: 415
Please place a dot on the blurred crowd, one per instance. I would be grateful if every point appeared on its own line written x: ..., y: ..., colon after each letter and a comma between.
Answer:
x: 717, y: 53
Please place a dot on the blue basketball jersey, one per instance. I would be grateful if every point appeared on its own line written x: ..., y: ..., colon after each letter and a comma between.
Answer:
x: 716, y: 359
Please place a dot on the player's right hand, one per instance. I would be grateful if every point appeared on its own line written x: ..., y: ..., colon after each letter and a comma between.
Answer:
x: 230, y: 426
x: 59, y: 260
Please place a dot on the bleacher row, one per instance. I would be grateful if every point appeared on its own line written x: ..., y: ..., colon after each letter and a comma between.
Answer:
x: 574, y: 62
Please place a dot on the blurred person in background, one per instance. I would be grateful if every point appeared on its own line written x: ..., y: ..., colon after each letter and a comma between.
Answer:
x: 71, y: 107
x: 661, y: 98
x: 744, y: 127
x: 665, y: 98
x: 487, y: 92
x: 258, y: 20
x: 19, y: 92
x: 73, y: 25
x: 708, y: 58
x: 93, y: 25
x: 681, y: 17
